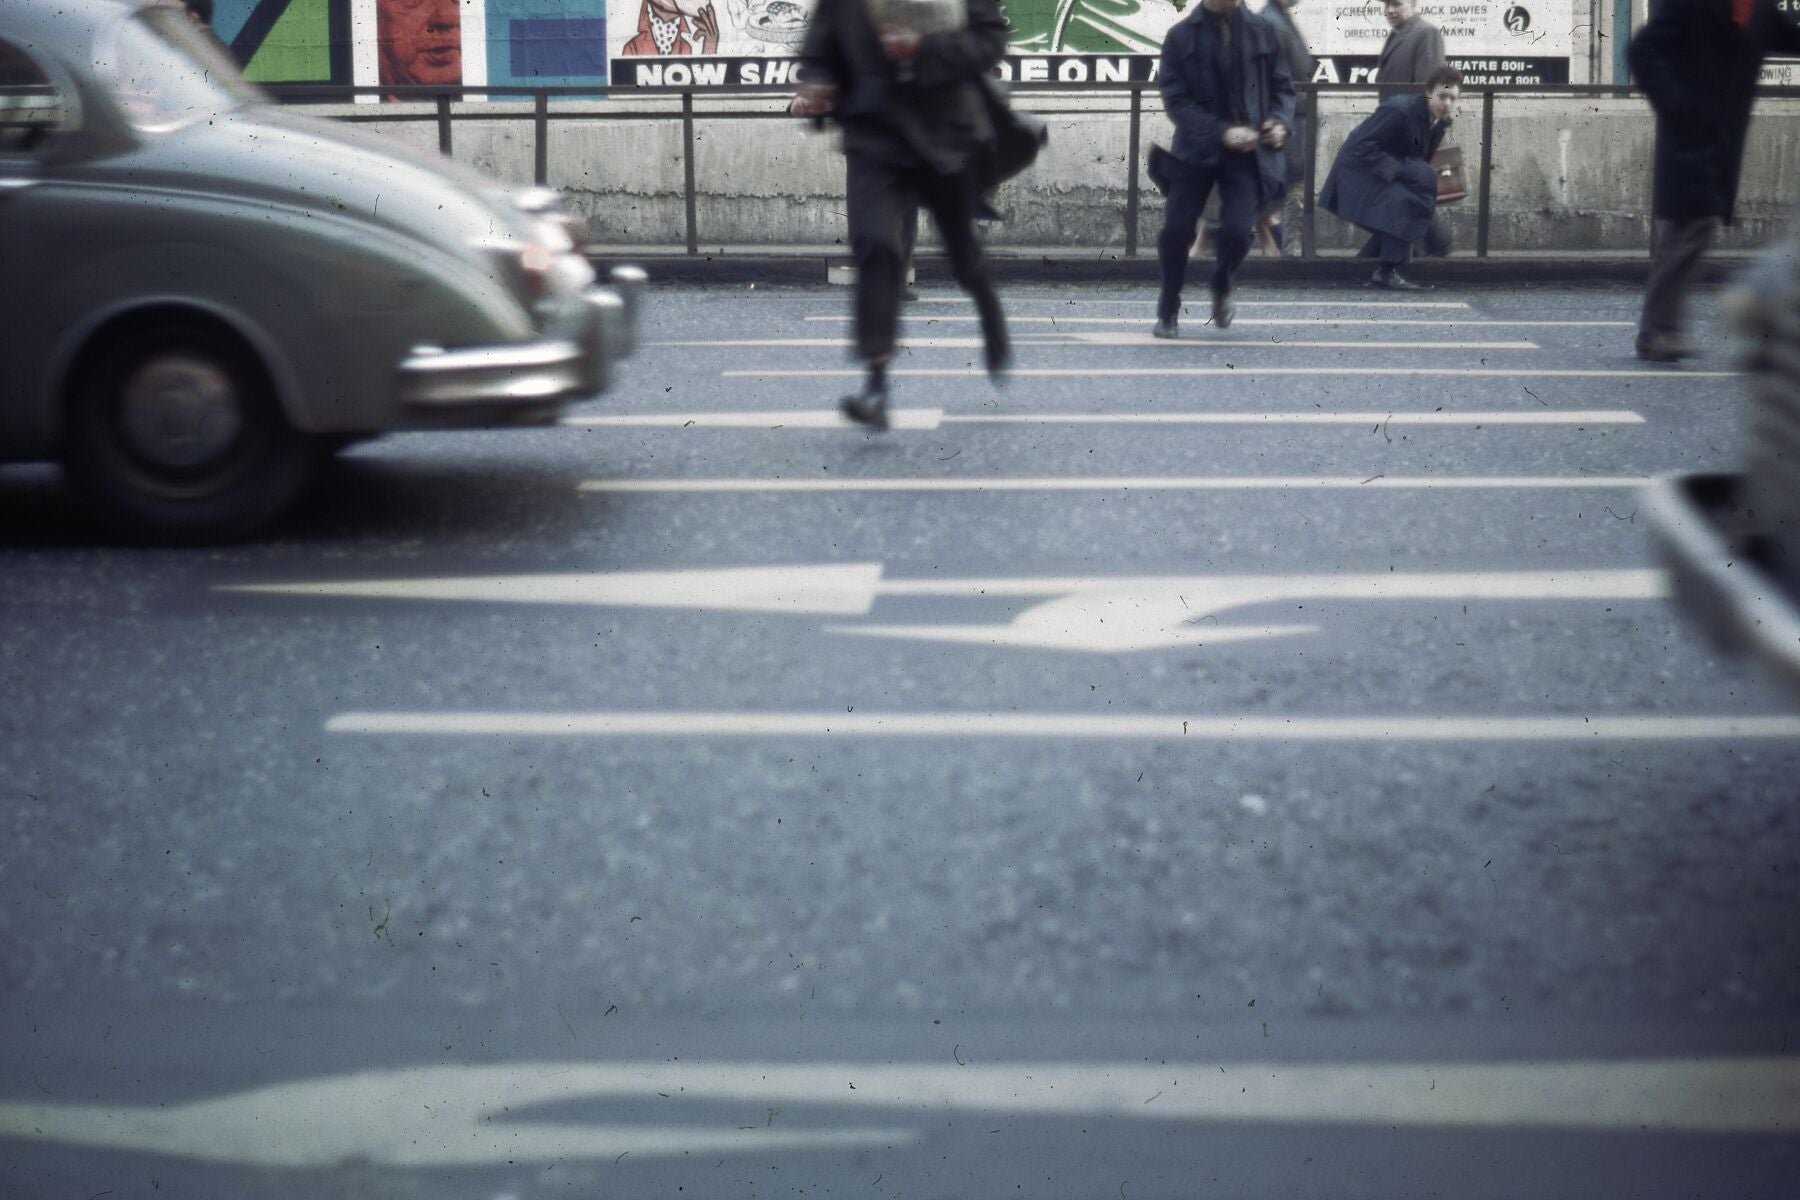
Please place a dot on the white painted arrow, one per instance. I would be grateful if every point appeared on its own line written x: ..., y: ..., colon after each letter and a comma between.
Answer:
x: 1094, y: 614
x: 491, y: 1114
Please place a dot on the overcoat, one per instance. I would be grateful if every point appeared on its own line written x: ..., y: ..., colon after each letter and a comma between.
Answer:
x: 1194, y: 99
x: 935, y: 113
x: 1699, y: 70
x: 1382, y: 179
x: 1411, y: 53
x: 1301, y: 65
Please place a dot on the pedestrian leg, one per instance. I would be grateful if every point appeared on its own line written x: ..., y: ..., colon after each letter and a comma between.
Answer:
x: 952, y: 199
x: 1181, y: 217
x: 1239, y: 188
x: 1679, y: 247
x: 1393, y: 251
x: 877, y: 199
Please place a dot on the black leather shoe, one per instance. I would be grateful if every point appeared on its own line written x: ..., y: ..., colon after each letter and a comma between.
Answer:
x: 999, y: 361
x: 867, y: 407
x: 1393, y: 281
x: 1165, y: 328
x: 1223, y: 309
x: 1663, y: 347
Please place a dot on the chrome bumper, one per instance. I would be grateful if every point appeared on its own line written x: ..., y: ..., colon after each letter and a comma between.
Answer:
x: 526, y: 383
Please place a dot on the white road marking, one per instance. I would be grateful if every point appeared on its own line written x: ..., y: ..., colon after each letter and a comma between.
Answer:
x: 1124, y: 615
x: 1067, y: 726
x: 1097, y: 614
x: 1373, y: 420
x: 1075, y: 337
x: 451, y: 1115
x: 1117, y: 483
x: 1194, y: 323
x: 1121, y: 338
x: 927, y: 419
x: 1339, y: 372
x: 844, y: 590
x: 1150, y: 305
x: 899, y: 418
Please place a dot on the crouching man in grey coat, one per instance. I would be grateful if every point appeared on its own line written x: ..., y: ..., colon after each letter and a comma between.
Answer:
x: 1382, y: 179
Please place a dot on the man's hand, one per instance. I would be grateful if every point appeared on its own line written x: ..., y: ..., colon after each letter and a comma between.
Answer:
x: 1274, y: 134
x: 899, y: 42
x: 1240, y: 139
x: 813, y: 100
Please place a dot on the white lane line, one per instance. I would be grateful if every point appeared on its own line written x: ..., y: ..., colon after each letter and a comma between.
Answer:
x: 1150, y: 305
x: 1145, y: 727
x: 1193, y: 324
x: 436, y: 1116
x: 899, y: 418
x: 1588, y: 416
x: 1080, y: 338
x: 1121, y: 338
x: 1147, y: 483
x: 1518, y: 372
x: 927, y: 419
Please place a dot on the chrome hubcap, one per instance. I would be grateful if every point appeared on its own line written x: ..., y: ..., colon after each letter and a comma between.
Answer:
x: 180, y: 411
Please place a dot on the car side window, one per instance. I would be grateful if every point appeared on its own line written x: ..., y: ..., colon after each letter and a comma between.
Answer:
x: 32, y: 110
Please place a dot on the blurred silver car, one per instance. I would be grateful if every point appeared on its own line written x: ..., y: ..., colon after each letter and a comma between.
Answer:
x: 202, y: 293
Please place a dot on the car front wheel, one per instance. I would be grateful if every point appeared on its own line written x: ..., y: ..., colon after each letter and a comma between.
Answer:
x: 175, y: 435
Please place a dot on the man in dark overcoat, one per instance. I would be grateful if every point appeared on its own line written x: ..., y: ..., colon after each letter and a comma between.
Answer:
x: 1382, y: 179
x: 902, y: 79
x: 1284, y: 212
x: 1225, y: 85
x: 1697, y: 62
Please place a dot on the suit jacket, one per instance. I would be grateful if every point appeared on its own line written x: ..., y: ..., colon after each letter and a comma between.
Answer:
x: 1197, y: 100
x: 1411, y: 53
x: 1699, y: 70
x: 1382, y: 179
x: 933, y: 115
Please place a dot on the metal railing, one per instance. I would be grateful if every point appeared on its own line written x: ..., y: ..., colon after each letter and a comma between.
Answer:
x: 1132, y: 93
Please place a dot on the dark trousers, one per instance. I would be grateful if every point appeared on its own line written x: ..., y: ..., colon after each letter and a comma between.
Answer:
x: 883, y: 200
x: 1438, y: 241
x: 1679, y: 245
x: 1239, y: 188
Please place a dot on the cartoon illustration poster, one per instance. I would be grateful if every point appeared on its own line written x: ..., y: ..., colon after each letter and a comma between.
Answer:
x: 699, y: 43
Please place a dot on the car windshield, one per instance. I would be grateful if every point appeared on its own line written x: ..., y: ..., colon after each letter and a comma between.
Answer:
x: 165, y: 72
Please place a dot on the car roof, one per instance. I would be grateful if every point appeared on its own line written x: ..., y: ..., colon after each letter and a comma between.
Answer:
x: 62, y: 22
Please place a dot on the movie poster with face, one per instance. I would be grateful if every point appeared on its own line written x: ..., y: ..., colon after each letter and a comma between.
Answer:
x: 374, y: 43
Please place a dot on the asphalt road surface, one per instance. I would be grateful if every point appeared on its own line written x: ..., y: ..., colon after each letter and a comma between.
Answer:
x: 1262, y: 764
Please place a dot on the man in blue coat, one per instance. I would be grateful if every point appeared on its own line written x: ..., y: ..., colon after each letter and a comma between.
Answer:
x: 1382, y: 179
x: 1698, y: 62
x: 1226, y: 86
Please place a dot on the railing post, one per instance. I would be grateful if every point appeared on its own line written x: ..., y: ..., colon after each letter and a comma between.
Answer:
x: 1131, y: 173
x: 687, y: 162
x: 541, y: 123
x: 443, y: 122
x: 1309, y: 238
x: 1485, y: 192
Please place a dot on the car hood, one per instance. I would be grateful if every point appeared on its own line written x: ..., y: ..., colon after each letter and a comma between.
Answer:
x: 262, y: 153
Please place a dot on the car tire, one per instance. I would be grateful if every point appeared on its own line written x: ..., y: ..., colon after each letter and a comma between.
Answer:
x: 175, y: 435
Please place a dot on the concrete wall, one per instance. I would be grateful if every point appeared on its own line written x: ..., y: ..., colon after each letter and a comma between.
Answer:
x: 1570, y: 174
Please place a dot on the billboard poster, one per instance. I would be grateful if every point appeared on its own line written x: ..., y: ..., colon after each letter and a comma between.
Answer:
x: 713, y: 43
x: 535, y: 43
